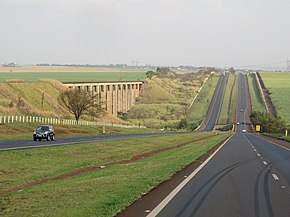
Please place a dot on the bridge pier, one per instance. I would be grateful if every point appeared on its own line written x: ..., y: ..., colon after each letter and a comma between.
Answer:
x: 117, y: 96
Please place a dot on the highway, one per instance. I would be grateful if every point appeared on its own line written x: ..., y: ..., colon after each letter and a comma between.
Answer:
x: 248, y: 177
x: 215, y: 105
x: 22, y: 144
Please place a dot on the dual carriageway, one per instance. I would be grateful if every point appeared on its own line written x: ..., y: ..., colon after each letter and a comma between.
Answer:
x: 247, y: 176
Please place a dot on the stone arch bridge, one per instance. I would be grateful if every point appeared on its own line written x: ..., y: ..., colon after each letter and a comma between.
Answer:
x: 119, y: 96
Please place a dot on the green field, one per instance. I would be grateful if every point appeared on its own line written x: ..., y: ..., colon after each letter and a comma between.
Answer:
x: 255, y: 94
x: 278, y: 84
x: 229, y: 101
x: 199, y: 108
x: 101, y: 192
x: 73, y: 76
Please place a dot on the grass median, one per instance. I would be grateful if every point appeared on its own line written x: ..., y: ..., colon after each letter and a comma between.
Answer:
x: 100, y: 192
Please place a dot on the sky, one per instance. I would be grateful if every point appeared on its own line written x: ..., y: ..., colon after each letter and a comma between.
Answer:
x: 158, y: 32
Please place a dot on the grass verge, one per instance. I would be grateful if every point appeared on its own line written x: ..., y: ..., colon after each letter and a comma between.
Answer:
x: 14, y: 131
x: 229, y: 102
x: 102, y: 192
x: 198, y: 110
x: 255, y: 94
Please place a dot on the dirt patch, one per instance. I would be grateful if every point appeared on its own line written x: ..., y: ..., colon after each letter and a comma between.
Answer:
x: 269, y: 104
x: 93, y: 167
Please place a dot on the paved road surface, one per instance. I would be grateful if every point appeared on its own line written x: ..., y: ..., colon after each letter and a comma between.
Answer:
x: 20, y: 144
x: 215, y: 105
x: 248, y: 177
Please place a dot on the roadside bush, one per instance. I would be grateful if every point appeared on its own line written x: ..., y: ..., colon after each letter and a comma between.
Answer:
x: 268, y: 123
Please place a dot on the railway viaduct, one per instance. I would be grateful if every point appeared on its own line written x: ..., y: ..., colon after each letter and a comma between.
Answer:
x: 118, y: 96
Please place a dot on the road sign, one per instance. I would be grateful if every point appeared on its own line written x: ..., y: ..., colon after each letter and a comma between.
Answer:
x: 258, y: 128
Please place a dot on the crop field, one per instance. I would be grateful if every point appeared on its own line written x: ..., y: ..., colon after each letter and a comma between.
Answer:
x: 73, y: 76
x: 133, y: 167
x: 62, y: 73
x: 278, y: 83
x: 255, y: 94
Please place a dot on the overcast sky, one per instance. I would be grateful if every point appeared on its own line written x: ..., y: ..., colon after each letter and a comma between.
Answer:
x: 160, y: 32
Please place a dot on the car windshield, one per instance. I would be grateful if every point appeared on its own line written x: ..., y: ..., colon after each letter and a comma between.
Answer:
x: 42, y: 128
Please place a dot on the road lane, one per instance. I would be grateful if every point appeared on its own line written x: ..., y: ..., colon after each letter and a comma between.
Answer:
x: 249, y: 176
x: 22, y: 144
x: 234, y: 183
x: 215, y: 105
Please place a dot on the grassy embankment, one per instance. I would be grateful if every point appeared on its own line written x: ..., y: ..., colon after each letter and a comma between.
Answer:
x: 102, y: 192
x: 278, y: 85
x: 255, y: 94
x: 25, y: 98
x: 164, y: 101
x: 229, y: 102
x: 199, y: 108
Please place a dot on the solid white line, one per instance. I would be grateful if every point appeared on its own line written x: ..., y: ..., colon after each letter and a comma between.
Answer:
x: 274, y: 143
x: 265, y: 163
x: 163, y: 203
x: 275, y: 176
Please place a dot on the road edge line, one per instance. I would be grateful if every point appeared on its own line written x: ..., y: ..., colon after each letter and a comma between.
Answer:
x: 172, y: 194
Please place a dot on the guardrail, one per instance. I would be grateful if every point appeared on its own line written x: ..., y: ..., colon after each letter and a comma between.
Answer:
x: 58, y: 121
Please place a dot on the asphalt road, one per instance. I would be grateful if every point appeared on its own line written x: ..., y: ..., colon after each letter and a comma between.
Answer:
x: 215, y: 105
x: 21, y: 144
x: 248, y: 177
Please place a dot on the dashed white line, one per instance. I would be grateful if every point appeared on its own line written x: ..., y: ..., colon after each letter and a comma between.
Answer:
x: 275, y: 177
x: 255, y: 150
x: 259, y: 155
x: 265, y: 163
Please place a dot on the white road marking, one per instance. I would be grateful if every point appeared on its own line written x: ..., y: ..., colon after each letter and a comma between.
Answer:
x: 255, y: 150
x: 265, y: 163
x: 275, y: 177
x: 259, y: 155
x: 169, y: 197
x: 274, y: 143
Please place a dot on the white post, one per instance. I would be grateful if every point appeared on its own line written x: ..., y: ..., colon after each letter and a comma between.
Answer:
x: 12, y: 120
x: 4, y: 121
x: 0, y: 119
x: 8, y: 119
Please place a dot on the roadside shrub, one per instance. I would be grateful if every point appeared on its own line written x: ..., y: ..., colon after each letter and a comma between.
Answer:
x: 268, y: 123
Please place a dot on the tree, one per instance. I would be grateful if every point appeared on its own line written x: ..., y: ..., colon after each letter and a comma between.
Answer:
x: 150, y: 74
x: 268, y: 123
x: 81, y: 103
x: 232, y: 70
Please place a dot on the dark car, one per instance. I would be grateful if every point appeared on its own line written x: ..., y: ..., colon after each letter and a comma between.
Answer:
x: 44, y: 132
